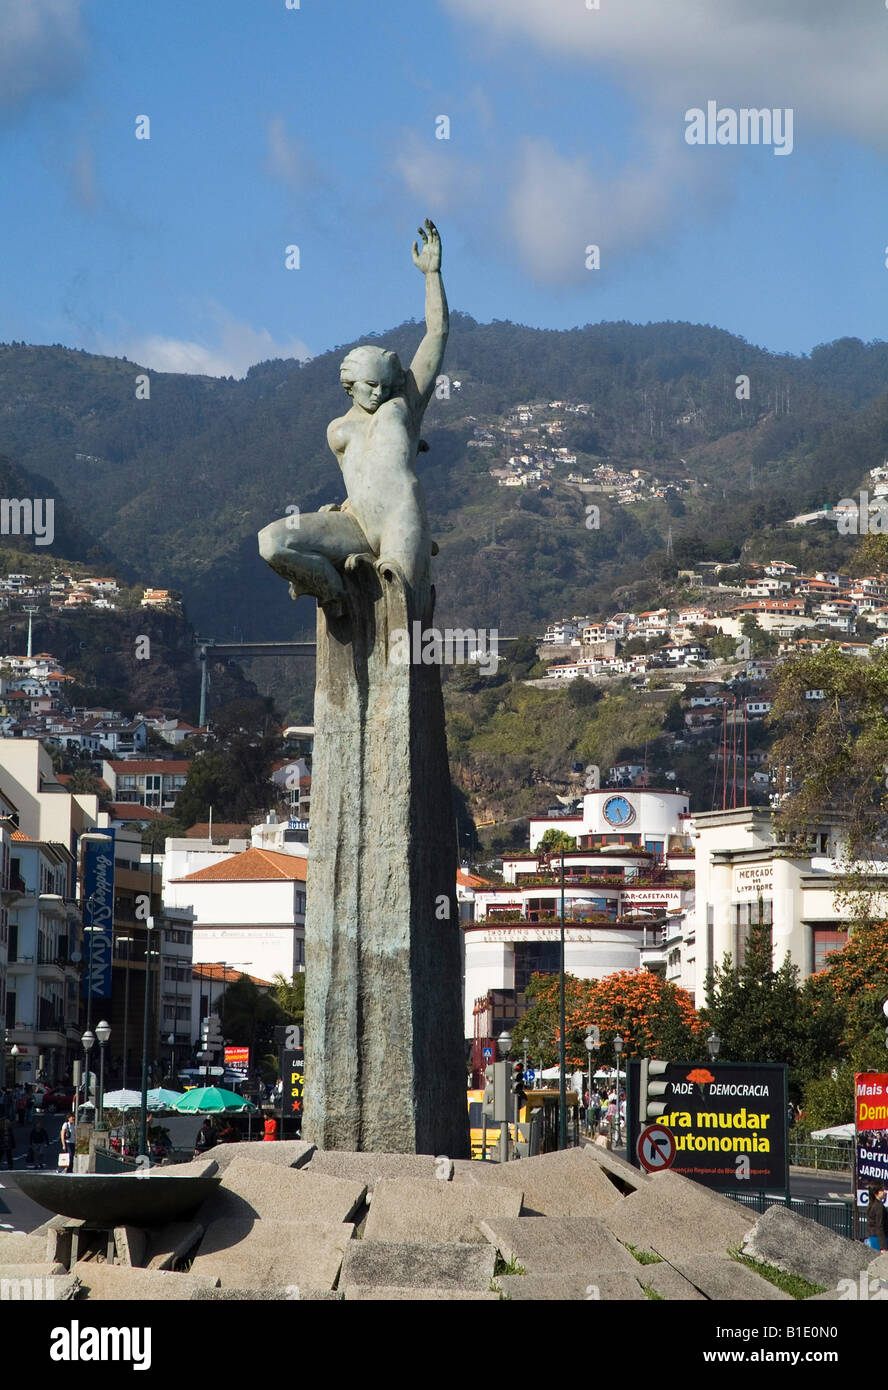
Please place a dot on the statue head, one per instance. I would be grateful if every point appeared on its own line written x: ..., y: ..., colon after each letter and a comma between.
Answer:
x: 371, y: 375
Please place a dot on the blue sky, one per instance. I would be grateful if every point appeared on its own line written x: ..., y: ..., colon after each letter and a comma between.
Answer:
x: 317, y: 127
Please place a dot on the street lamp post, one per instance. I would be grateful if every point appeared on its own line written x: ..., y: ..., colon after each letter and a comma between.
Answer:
x: 171, y: 1043
x: 562, y: 1063
x: 87, y: 1042
x: 103, y: 1033
x: 504, y: 1047
x: 14, y: 1052
x: 590, y: 1048
x: 127, y: 941
x: 143, y: 1109
x: 618, y: 1049
x: 713, y: 1042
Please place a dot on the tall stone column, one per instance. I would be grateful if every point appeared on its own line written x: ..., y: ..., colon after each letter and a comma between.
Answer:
x: 384, y: 1050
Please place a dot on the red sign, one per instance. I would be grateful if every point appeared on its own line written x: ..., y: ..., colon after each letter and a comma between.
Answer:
x: 238, y: 1058
x: 871, y: 1100
x: 656, y: 1148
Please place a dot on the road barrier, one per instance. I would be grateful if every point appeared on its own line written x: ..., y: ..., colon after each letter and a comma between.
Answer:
x: 840, y: 1217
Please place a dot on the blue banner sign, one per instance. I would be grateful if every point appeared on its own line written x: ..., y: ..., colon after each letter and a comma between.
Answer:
x: 98, y: 915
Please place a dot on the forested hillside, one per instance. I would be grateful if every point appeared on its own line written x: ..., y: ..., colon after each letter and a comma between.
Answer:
x: 174, y: 488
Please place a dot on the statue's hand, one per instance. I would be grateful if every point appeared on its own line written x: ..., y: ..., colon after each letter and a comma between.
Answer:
x: 330, y: 507
x: 428, y: 260
x: 361, y: 557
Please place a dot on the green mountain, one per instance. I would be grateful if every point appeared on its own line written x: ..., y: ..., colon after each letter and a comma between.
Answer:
x: 173, y: 489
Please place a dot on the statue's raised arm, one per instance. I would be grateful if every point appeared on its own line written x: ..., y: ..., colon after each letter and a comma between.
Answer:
x: 429, y: 357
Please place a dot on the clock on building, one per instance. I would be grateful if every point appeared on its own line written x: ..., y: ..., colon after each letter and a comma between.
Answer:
x: 617, y: 811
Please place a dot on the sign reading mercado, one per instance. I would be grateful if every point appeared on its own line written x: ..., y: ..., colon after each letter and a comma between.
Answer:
x: 729, y: 1122
x: 98, y: 915
x: 871, y: 1131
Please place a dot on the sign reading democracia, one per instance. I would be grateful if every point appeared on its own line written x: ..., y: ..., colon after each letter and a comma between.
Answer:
x: 871, y: 1131
x: 729, y: 1122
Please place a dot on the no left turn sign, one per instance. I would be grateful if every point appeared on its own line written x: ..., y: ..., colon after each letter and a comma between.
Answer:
x: 655, y: 1148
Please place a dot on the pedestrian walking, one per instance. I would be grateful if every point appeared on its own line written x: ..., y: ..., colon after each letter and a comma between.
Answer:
x: 69, y: 1137
x: 39, y: 1141
x: 271, y: 1130
x: 7, y: 1140
x: 206, y: 1139
x: 21, y: 1105
x: 876, y: 1227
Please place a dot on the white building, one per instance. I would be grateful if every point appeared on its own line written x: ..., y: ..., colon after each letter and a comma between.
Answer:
x: 743, y: 872
x: 631, y: 871
x: 249, y: 909
x: 42, y: 1000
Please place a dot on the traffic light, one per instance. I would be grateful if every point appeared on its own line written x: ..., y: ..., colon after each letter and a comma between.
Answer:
x: 518, y: 1081
x: 648, y: 1107
x: 496, y: 1093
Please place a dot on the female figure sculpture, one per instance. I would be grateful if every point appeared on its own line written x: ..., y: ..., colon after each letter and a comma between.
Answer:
x: 383, y: 522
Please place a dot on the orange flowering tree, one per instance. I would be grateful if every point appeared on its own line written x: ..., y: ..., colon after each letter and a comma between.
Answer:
x: 849, y: 993
x: 652, y: 1016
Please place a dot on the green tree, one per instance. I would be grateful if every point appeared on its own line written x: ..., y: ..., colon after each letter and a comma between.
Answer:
x: 290, y: 996
x: 581, y: 693
x: 763, y: 643
x: 649, y: 1013
x: 250, y: 1016
x: 555, y: 840
x: 833, y: 752
x: 761, y: 1015
x: 235, y: 780
x: 157, y: 831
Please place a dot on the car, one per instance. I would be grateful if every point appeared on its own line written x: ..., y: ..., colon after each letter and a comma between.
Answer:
x: 56, y: 1098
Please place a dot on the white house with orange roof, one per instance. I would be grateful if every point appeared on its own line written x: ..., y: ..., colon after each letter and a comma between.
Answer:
x: 249, y: 911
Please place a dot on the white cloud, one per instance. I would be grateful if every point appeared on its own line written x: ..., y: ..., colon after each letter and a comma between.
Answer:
x: 287, y: 158
x: 229, y: 351
x: 827, y: 60
x: 436, y: 175
x: 84, y: 183
x: 42, y: 51
x: 559, y: 206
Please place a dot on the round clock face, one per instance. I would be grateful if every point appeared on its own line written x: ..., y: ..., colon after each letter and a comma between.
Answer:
x: 617, y: 811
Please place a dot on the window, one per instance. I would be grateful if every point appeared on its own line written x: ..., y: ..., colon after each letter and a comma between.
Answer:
x: 746, y: 917
x: 535, y: 958
x: 827, y: 939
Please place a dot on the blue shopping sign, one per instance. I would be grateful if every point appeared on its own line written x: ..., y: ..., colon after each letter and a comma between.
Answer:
x: 98, y: 915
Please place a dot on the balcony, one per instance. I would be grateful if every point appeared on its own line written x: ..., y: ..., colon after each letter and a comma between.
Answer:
x: 17, y: 890
x: 51, y: 968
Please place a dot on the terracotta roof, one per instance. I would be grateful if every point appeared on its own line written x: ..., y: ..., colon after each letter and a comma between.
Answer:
x: 470, y: 880
x: 131, y: 810
x: 222, y: 830
x: 252, y: 865
x: 20, y: 835
x: 213, y: 971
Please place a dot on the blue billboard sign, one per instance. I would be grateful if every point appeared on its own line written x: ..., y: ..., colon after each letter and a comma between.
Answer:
x: 98, y: 916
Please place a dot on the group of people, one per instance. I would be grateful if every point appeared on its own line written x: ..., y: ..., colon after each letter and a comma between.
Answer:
x: 601, y: 1106
x: 38, y: 1143
x: 18, y: 1103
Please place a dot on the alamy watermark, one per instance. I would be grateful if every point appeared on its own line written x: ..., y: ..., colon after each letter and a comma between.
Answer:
x: 747, y: 125
x: 457, y: 646
x: 862, y: 517
x: 24, y: 516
